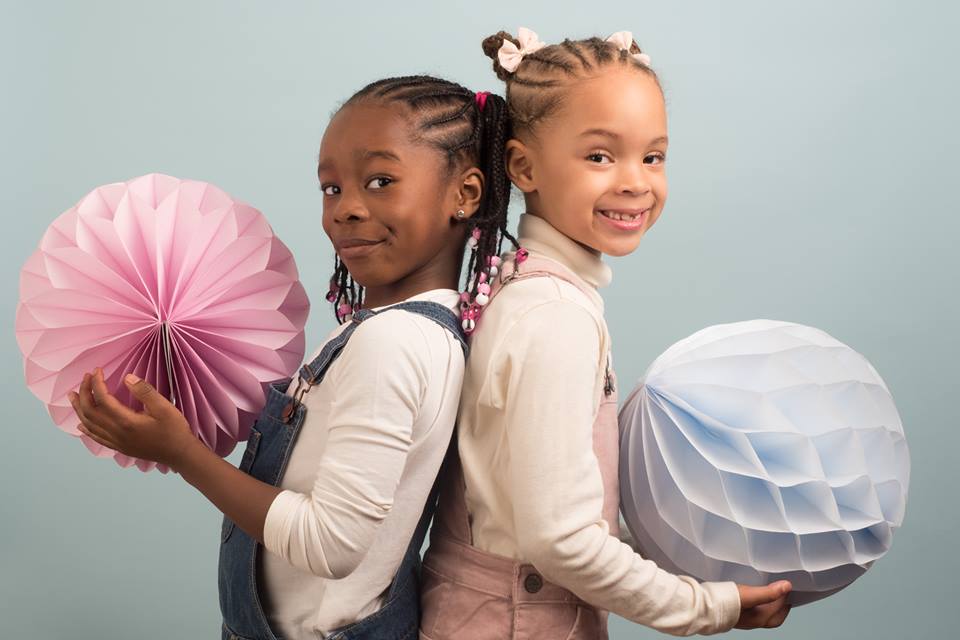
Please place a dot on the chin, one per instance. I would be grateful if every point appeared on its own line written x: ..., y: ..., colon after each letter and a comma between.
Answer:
x: 620, y: 249
x: 363, y: 277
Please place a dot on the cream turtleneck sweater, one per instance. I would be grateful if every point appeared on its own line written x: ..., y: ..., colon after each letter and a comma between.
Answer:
x: 533, y: 484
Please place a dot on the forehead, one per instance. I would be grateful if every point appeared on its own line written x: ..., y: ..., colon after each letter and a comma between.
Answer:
x: 363, y: 125
x: 625, y: 101
x: 363, y: 131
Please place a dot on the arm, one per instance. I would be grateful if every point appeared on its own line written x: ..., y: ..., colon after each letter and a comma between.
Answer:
x: 161, y: 433
x: 557, y: 491
x: 378, y: 391
x: 329, y: 530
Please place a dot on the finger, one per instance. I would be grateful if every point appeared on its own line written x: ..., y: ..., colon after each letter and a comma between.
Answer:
x: 766, y: 615
x: 778, y: 618
x: 753, y: 596
x: 87, y: 405
x: 96, y: 437
x: 153, y: 403
x: 75, y: 403
x: 84, y: 390
x: 88, y: 426
x: 107, y: 403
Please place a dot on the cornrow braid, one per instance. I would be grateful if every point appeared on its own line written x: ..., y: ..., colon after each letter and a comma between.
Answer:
x: 448, y: 117
x: 536, y: 88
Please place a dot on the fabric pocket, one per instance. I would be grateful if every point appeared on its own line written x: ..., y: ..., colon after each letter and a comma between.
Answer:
x: 253, y: 443
x: 587, y: 625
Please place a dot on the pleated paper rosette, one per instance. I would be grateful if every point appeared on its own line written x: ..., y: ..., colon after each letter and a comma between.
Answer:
x: 763, y: 450
x: 174, y: 281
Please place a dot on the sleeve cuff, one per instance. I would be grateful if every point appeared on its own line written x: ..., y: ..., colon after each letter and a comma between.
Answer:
x: 276, y: 527
x: 726, y: 595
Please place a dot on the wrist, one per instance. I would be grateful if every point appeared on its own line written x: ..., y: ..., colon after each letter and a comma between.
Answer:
x: 185, y: 452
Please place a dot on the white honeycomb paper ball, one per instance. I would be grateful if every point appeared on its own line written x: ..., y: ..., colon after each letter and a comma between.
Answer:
x: 763, y: 450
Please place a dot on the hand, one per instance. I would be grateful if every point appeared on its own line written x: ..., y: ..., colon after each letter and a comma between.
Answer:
x: 763, y: 607
x: 159, y: 433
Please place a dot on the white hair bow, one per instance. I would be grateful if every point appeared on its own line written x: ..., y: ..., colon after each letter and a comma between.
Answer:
x: 510, y: 55
x: 624, y: 41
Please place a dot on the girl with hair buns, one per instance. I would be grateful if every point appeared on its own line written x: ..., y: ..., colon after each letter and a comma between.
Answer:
x: 525, y: 542
x: 324, y: 520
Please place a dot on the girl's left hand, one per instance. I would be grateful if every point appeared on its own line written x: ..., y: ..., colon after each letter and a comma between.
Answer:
x: 159, y: 433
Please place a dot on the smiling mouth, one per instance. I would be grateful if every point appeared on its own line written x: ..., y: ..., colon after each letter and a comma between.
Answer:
x: 624, y: 215
x: 357, y: 247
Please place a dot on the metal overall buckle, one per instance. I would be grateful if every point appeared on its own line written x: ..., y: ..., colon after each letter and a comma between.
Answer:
x: 296, y: 400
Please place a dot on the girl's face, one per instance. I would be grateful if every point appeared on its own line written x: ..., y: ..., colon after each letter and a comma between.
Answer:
x: 390, y: 205
x: 595, y: 168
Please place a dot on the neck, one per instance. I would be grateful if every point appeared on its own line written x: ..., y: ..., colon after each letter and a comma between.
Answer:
x: 443, y: 274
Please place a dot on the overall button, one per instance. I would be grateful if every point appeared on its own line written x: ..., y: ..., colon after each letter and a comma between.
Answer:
x: 533, y: 583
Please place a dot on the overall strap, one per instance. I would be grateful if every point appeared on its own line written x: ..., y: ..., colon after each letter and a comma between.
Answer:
x: 313, y: 372
x: 536, y: 266
x: 440, y: 314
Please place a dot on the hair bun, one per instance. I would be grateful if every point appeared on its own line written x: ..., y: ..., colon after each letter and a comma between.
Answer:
x: 491, y: 47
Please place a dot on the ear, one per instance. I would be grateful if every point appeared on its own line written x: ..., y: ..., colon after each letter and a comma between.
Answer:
x: 520, y: 165
x: 469, y: 193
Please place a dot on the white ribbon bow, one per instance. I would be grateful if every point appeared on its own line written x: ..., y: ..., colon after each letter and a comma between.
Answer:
x: 510, y: 55
x: 624, y: 41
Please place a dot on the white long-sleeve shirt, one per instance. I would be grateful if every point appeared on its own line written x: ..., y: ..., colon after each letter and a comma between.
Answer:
x: 375, y: 433
x: 533, y: 484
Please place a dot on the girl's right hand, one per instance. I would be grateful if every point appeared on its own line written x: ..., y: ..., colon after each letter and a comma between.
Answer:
x: 763, y: 607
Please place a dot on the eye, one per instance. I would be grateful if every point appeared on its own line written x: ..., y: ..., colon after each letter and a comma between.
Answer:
x: 379, y: 182
x: 599, y: 158
x: 655, y: 158
x: 330, y: 189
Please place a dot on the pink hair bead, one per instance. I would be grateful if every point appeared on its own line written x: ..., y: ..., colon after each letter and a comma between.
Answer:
x: 484, y: 288
x: 522, y: 254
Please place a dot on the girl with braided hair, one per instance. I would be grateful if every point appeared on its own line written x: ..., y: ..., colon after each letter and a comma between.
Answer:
x: 525, y: 543
x: 325, y: 518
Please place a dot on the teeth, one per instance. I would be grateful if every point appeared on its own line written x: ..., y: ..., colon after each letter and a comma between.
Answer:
x: 613, y: 215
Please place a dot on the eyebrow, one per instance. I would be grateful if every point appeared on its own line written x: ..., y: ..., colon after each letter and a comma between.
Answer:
x: 616, y: 136
x: 364, y: 155
x: 367, y: 154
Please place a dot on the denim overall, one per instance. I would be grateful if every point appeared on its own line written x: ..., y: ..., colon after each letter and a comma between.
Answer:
x: 271, y: 441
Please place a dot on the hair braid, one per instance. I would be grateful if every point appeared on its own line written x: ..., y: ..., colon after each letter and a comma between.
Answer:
x: 536, y: 88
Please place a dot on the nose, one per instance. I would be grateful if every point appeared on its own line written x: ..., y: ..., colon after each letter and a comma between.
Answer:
x: 349, y: 208
x: 633, y: 179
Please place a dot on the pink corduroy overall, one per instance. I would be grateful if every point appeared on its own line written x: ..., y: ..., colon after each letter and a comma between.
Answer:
x: 469, y: 594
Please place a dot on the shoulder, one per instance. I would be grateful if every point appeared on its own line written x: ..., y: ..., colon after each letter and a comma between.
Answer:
x: 556, y: 325
x: 534, y: 290
x: 544, y: 327
x: 544, y: 309
x: 396, y: 335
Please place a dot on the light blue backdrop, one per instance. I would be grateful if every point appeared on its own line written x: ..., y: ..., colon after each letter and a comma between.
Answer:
x: 813, y: 172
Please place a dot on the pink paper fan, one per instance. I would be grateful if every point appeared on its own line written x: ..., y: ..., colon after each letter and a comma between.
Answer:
x: 174, y: 281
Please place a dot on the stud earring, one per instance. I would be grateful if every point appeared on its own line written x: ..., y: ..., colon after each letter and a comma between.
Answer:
x: 460, y: 214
